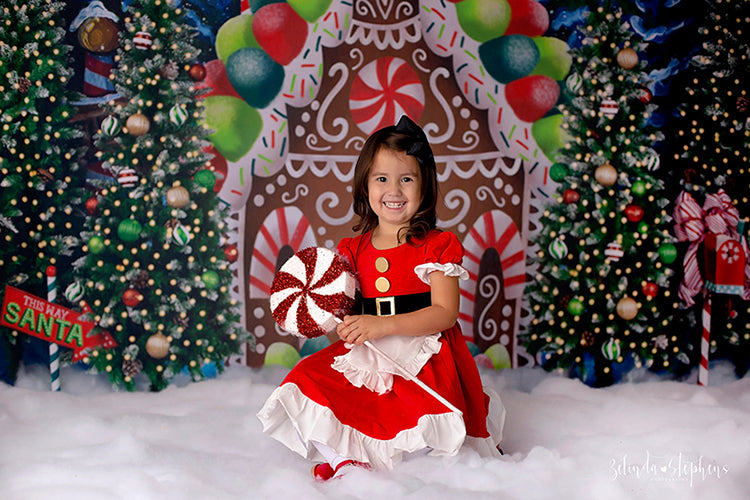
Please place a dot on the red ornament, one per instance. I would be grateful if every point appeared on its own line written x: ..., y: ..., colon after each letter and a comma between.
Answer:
x: 650, y: 289
x: 571, y: 196
x: 231, y: 253
x: 91, y: 205
x: 197, y: 72
x: 644, y: 95
x: 634, y: 212
x: 131, y: 297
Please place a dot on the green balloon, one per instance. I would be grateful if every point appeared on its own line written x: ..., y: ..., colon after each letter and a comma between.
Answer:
x: 310, y: 10
x: 483, y: 20
x: 210, y: 279
x: 129, y: 230
x: 235, y: 34
x: 554, y: 58
x: 236, y: 124
x: 205, y: 178
x: 549, y: 134
x: 668, y: 253
x: 499, y: 356
x: 281, y: 353
x: 96, y: 245
x: 575, y: 307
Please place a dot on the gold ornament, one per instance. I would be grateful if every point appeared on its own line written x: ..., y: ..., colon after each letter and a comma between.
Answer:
x: 178, y: 197
x: 606, y: 175
x: 627, y: 308
x: 627, y: 58
x: 98, y: 34
x: 382, y: 264
x: 137, y: 124
x: 382, y: 284
x: 157, y: 346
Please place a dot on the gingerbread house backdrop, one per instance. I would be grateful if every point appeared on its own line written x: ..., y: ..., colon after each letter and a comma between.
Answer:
x: 360, y: 66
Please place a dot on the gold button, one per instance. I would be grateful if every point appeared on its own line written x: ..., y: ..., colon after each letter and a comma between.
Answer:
x: 381, y: 264
x: 382, y: 284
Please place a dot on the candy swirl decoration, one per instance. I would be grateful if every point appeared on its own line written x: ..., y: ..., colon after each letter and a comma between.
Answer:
x: 74, y: 292
x: 178, y: 115
x: 558, y: 249
x: 127, y: 178
x: 382, y: 91
x: 312, y: 291
x: 611, y: 349
x: 181, y: 235
x: 110, y: 126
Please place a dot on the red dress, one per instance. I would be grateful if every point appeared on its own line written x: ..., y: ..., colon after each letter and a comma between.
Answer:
x: 317, y: 403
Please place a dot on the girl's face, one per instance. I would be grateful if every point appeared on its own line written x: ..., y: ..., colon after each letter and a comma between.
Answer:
x: 394, y: 188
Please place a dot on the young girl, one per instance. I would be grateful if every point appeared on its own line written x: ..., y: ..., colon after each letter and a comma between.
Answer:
x: 345, y: 404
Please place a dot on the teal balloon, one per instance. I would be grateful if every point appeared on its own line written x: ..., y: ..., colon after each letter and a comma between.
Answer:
x: 508, y: 58
x: 255, y: 76
x: 313, y: 345
x: 473, y: 348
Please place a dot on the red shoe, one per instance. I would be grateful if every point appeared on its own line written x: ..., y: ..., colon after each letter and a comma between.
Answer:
x: 324, y: 471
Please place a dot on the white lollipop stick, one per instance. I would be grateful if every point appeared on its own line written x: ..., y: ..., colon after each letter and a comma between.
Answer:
x: 408, y: 376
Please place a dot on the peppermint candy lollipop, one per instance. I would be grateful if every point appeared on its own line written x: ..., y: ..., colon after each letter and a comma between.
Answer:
x: 312, y: 291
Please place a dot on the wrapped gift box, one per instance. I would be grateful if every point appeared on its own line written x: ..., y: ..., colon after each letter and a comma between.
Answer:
x: 724, y: 260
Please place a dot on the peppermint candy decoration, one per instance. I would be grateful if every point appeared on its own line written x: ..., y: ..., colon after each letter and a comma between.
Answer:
x: 177, y: 115
x: 143, y: 40
x: 127, y: 178
x: 110, y: 125
x: 311, y: 292
x: 652, y: 162
x: 558, y: 249
x: 74, y: 292
x: 611, y: 349
x: 384, y: 90
x: 181, y: 235
x: 574, y: 82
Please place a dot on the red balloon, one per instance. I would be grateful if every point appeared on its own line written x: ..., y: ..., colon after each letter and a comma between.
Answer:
x: 571, y: 196
x: 131, y: 297
x: 532, y: 96
x: 634, y: 212
x: 280, y: 31
x: 528, y: 17
x: 216, y: 80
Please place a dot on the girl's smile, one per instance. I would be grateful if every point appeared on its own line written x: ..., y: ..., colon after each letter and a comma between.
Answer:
x: 394, y: 189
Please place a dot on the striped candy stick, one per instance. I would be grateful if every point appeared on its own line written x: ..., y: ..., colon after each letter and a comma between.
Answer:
x: 705, y: 340
x: 54, y: 350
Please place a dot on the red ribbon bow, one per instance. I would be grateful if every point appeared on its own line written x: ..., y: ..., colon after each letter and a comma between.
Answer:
x: 718, y: 216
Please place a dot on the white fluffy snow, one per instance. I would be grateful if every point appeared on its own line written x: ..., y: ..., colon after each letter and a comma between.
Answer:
x: 640, y: 439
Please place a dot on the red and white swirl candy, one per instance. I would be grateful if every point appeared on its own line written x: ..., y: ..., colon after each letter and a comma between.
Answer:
x: 312, y: 291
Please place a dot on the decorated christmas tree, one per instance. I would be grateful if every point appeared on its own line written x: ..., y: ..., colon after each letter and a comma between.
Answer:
x: 602, y: 300
x: 157, y: 271
x: 41, y: 189
x: 709, y: 155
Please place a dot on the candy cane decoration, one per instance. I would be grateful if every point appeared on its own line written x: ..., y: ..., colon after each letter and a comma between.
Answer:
x: 54, y: 350
x: 706, y: 317
x: 285, y: 226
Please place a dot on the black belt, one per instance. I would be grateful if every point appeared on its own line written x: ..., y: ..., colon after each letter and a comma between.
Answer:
x: 396, y: 304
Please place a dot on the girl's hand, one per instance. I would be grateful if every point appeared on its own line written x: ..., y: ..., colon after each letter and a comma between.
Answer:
x: 359, y: 329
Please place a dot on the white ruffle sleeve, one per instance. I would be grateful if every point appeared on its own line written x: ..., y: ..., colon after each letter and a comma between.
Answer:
x: 362, y: 366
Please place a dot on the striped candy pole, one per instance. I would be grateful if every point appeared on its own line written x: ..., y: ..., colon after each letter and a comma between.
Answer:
x: 706, y: 318
x: 54, y: 350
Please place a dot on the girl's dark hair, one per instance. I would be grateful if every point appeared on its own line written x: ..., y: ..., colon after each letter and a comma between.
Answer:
x: 406, y: 137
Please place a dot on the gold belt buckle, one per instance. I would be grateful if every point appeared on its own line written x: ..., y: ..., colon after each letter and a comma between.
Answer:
x: 391, y: 301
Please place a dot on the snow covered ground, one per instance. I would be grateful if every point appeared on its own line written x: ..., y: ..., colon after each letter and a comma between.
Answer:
x: 641, y: 439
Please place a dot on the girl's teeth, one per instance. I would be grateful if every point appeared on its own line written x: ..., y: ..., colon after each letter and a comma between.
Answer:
x: 393, y: 205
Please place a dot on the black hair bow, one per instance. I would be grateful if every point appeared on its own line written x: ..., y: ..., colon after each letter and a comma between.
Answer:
x: 420, y: 147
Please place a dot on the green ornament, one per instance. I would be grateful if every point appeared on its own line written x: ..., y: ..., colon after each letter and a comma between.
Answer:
x: 638, y: 188
x: 205, y: 178
x: 181, y: 235
x: 643, y: 227
x: 210, y: 279
x: 96, y: 245
x: 575, y: 307
x: 611, y: 349
x: 129, y: 230
x: 558, y: 172
x: 668, y: 253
